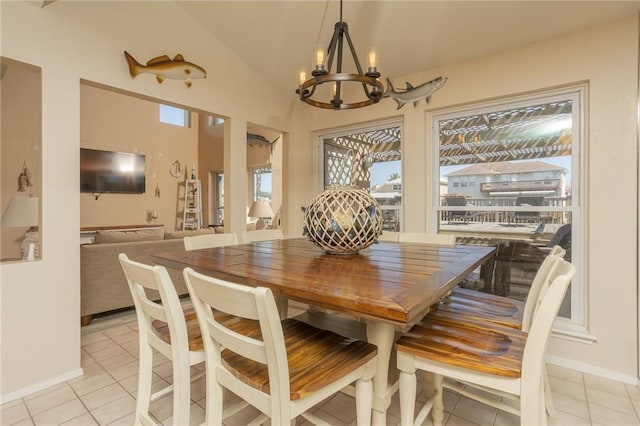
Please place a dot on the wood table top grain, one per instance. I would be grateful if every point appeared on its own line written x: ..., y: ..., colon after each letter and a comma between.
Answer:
x: 389, y: 282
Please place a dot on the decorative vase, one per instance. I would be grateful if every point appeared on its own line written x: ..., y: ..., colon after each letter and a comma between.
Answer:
x: 343, y: 220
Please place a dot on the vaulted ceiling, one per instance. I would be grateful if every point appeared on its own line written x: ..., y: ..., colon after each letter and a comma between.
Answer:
x: 277, y: 38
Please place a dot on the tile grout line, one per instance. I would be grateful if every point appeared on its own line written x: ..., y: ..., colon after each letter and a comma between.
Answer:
x: 110, y: 375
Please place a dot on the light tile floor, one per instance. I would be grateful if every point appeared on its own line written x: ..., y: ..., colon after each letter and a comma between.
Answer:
x: 105, y: 394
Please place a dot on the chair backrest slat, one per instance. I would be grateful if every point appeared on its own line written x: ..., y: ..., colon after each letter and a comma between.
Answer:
x: 428, y: 238
x: 263, y: 235
x: 537, y: 338
x: 390, y: 236
x: 209, y: 240
x: 540, y: 283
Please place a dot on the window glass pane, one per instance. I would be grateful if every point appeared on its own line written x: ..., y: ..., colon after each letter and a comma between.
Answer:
x: 337, y: 166
x: 262, y: 184
x: 386, y: 188
x: 506, y: 180
x: 173, y: 115
x: 369, y: 159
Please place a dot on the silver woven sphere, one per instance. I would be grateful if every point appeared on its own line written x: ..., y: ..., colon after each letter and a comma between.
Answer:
x: 343, y: 220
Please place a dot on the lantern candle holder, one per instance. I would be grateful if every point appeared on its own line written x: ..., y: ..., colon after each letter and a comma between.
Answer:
x: 343, y: 220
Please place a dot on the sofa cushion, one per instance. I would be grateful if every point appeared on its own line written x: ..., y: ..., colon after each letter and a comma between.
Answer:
x: 103, y: 236
x: 181, y: 234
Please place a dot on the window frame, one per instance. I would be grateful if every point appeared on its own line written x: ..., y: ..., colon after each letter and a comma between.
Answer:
x: 575, y: 327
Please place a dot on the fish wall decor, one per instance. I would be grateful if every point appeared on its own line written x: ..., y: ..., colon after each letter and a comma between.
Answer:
x: 413, y: 94
x: 164, y: 67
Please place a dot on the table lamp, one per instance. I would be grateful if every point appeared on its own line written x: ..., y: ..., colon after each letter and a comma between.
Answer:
x: 261, y: 210
x: 24, y: 212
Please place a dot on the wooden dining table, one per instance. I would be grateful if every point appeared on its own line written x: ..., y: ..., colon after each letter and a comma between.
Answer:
x: 389, y: 286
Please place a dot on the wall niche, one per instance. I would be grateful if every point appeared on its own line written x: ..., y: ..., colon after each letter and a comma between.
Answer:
x: 21, y: 161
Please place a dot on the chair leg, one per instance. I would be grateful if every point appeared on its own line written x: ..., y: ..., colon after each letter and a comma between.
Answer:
x: 181, y: 392
x: 532, y: 408
x: 364, y: 401
x: 145, y: 378
x: 407, y: 390
x: 542, y: 414
x: 214, y: 401
x: 437, y: 412
x: 548, y: 400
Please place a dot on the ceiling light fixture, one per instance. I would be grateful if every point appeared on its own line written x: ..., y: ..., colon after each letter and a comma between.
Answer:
x: 373, y: 89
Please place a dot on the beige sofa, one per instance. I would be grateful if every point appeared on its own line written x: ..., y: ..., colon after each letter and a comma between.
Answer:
x: 103, y: 286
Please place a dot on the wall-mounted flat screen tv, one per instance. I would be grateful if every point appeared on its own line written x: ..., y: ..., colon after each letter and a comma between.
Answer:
x: 113, y: 172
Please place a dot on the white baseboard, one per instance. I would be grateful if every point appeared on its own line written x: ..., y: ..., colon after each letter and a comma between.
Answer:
x: 40, y: 386
x: 593, y: 370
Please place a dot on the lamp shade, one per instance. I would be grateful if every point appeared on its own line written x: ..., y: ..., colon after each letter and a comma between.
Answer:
x: 260, y: 209
x: 21, y: 211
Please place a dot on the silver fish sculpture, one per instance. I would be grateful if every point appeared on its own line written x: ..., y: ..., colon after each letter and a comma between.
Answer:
x: 414, y: 94
x: 164, y: 67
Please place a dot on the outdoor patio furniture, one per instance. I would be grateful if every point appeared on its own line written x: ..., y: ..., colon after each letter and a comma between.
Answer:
x: 458, y: 201
x: 526, y: 216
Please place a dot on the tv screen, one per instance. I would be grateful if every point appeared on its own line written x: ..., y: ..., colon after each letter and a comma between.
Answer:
x: 114, y: 172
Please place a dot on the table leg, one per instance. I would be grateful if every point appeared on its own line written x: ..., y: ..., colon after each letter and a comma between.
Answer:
x: 282, y: 303
x: 382, y: 335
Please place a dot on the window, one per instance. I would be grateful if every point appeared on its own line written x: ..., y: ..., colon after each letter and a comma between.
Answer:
x: 215, y: 121
x: 525, y: 156
x: 261, y: 184
x: 175, y: 116
x: 216, y: 201
x: 368, y: 158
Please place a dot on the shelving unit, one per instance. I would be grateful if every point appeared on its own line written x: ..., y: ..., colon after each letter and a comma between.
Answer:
x: 192, y: 217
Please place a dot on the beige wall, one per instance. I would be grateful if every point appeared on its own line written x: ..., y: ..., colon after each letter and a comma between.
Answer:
x: 113, y: 121
x: 607, y: 58
x: 86, y: 40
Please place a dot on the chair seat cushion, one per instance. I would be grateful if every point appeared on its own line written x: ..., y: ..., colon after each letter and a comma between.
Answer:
x: 316, y: 358
x: 454, y: 339
x: 475, y: 304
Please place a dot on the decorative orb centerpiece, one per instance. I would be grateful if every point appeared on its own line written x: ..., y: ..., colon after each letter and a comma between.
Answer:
x: 343, y: 220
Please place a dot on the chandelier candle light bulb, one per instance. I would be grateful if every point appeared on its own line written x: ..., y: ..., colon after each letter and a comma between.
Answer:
x: 319, y: 58
x: 372, y: 65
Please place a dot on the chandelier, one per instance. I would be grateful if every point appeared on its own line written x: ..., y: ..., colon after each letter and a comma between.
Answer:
x: 372, y: 88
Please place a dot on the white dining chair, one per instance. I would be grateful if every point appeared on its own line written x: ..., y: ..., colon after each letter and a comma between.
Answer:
x: 477, y: 354
x: 283, y: 369
x: 195, y: 242
x: 501, y: 309
x: 389, y: 236
x: 448, y: 240
x: 472, y: 304
x: 162, y: 327
x: 263, y: 235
